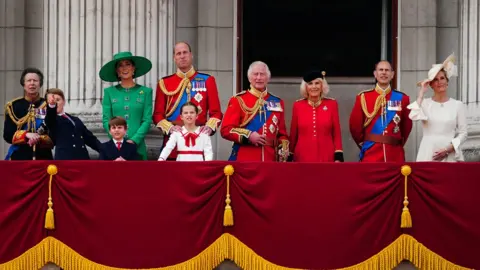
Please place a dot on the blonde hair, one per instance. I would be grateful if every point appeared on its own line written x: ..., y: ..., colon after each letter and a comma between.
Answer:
x: 304, y: 92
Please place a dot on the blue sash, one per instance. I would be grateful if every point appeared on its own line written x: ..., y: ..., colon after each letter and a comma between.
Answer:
x: 254, y: 125
x: 379, y: 126
x: 198, y: 83
x: 13, y: 148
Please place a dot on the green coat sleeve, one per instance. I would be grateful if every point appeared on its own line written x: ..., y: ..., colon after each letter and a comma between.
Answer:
x: 107, y: 113
x: 146, y: 117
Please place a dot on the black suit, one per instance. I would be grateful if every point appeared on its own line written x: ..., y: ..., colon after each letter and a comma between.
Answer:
x: 109, y: 151
x: 71, y: 138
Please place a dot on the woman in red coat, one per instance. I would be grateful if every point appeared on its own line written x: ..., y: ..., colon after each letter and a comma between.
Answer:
x: 315, y: 134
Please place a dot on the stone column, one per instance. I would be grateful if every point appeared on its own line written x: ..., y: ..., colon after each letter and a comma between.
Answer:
x: 215, y: 54
x: 81, y: 36
x: 20, y: 46
x: 416, y: 53
x: 469, y: 72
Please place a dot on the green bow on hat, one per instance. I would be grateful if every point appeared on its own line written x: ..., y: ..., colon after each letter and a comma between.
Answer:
x: 108, y: 72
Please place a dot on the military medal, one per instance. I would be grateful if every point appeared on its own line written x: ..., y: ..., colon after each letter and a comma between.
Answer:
x: 198, y: 97
x: 272, y: 128
x: 396, y: 119
x: 275, y: 119
x: 194, y: 86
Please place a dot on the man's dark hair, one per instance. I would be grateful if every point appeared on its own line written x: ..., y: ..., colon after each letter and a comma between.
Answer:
x: 31, y: 70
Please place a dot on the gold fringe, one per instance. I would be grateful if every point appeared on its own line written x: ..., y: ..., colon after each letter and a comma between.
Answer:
x: 228, y: 246
x: 406, y: 218
x: 408, y: 248
x: 228, y: 214
x: 49, y: 216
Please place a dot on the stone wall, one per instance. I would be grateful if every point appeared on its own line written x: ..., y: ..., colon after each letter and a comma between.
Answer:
x: 20, y: 46
x: 208, y: 25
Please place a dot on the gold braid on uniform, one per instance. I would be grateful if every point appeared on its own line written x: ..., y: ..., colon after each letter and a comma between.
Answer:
x: 251, y: 111
x: 18, y: 122
x: 185, y: 84
x: 379, y: 103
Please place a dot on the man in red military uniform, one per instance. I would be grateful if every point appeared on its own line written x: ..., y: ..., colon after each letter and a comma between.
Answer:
x: 379, y: 121
x: 254, y: 121
x: 186, y: 85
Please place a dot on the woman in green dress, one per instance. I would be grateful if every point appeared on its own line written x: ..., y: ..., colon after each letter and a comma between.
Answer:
x: 128, y: 99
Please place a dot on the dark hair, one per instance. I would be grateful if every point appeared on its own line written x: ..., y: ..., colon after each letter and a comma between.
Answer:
x: 117, y: 121
x: 189, y: 104
x: 55, y: 91
x: 31, y: 70
x: 118, y: 63
x: 188, y: 45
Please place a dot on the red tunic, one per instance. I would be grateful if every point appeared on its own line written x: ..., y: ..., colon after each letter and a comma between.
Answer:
x: 175, y: 90
x: 315, y: 134
x: 384, y: 144
x: 251, y: 111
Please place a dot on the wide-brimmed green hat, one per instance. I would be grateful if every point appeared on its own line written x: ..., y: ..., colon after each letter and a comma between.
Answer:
x: 108, y: 72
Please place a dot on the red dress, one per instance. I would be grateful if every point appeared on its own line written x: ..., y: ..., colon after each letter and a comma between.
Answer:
x: 381, y: 127
x: 175, y: 90
x: 315, y: 134
x: 254, y: 111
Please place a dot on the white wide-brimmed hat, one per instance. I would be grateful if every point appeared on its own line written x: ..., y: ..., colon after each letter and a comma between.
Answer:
x: 448, y: 65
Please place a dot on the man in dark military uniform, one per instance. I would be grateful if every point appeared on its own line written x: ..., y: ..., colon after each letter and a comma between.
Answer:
x: 25, y: 117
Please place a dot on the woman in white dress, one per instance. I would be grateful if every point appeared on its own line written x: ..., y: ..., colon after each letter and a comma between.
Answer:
x: 443, y: 118
x: 191, y: 143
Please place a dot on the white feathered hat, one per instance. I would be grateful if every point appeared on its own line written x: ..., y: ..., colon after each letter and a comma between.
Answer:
x: 448, y: 65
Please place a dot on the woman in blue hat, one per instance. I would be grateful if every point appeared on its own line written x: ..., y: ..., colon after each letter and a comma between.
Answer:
x: 128, y: 99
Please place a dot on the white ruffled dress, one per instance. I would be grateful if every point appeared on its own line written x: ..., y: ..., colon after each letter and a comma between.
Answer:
x: 443, y: 124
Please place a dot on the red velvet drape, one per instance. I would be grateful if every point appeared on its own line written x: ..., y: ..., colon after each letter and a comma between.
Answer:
x: 311, y: 216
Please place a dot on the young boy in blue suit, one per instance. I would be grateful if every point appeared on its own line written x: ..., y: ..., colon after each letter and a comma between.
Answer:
x: 68, y: 133
x: 117, y: 148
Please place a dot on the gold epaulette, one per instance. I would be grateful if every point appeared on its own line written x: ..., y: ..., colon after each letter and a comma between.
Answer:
x: 10, y: 103
x: 365, y: 91
x: 300, y: 99
x: 9, y: 111
x: 241, y: 93
x: 328, y: 98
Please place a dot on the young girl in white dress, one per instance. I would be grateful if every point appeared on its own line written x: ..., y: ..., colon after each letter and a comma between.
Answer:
x: 192, y: 145
x: 443, y: 118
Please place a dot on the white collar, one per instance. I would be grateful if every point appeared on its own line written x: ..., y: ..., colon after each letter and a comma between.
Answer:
x: 116, y: 142
x: 185, y: 131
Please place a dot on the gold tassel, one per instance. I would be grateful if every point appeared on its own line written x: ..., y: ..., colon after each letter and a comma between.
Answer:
x: 406, y: 219
x: 49, y: 217
x: 228, y: 214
